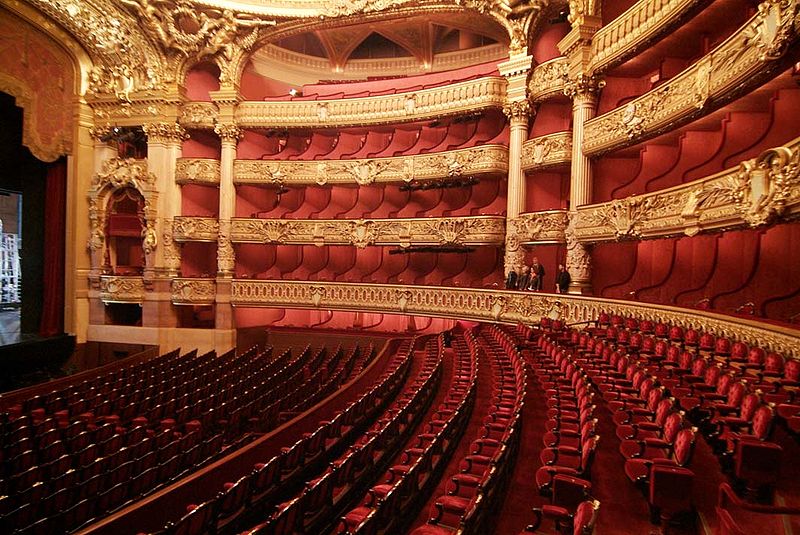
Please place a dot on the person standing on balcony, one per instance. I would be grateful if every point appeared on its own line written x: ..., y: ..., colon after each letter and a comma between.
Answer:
x: 537, y: 275
x: 562, y: 280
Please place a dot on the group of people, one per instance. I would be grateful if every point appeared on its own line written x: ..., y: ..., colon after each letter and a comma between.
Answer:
x: 532, y: 278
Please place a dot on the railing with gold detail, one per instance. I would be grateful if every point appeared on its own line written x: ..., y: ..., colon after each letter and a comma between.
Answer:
x: 192, y: 228
x: 642, y: 23
x: 496, y: 305
x: 193, y: 291
x: 547, y: 79
x: 462, y: 231
x: 540, y: 227
x: 757, y: 192
x: 462, y: 97
x: 486, y: 159
x: 121, y: 289
x: 547, y: 151
x: 197, y: 171
x: 739, y: 64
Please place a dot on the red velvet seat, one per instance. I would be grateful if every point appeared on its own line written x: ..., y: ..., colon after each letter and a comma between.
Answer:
x: 738, y: 517
x: 582, y: 522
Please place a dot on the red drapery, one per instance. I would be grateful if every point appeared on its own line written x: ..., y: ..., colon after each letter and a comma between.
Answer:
x: 55, y: 204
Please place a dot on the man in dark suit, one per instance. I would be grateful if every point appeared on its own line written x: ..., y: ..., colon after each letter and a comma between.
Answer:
x: 511, y: 280
x: 537, y: 275
x: 562, y: 279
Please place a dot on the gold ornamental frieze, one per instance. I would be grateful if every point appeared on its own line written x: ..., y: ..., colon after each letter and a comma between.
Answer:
x: 189, y: 228
x: 547, y: 151
x: 118, y: 289
x: 497, y: 306
x: 540, y: 227
x: 742, y: 62
x: 204, y: 171
x: 462, y: 97
x: 193, y: 291
x: 547, y: 79
x: 644, y: 22
x: 439, y: 231
x: 757, y: 192
x: 486, y: 159
x: 202, y: 115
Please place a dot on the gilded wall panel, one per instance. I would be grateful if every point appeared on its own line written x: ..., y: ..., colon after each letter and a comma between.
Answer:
x: 540, y: 227
x: 463, y: 162
x: 481, y: 230
x: 462, y: 97
x: 741, y: 62
x: 115, y: 289
x: 193, y: 291
x: 498, y: 306
x: 197, y: 171
x: 547, y: 151
x: 189, y: 228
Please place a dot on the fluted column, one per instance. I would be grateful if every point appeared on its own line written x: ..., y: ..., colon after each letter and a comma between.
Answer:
x: 229, y: 134
x: 103, y: 151
x: 582, y: 89
x: 517, y: 109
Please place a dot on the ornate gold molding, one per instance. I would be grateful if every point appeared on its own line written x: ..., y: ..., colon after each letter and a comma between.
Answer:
x: 472, y: 161
x: 547, y: 151
x: 228, y: 133
x: 188, y: 228
x: 194, y: 291
x: 496, y: 305
x: 462, y: 97
x: 197, y: 171
x: 517, y: 110
x: 583, y: 85
x: 164, y: 132
x: 547, y: 79
x: 480, y: 230
x: 756, y: 192
x: 540, y: 227
x: 199, y: 115
x: 740, y: 63
x: 633, y: 30
x: 114, y: 289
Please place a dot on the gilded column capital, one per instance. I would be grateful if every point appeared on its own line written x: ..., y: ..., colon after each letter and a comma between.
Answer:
x: 583, y: 86
x: 518, y: 110
x: 164, y: 132
x: 228, y: 132
x: 100, y: 133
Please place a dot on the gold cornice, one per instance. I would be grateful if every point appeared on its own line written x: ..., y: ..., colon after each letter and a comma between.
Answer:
x: 462, y: 231
x: 195, y: 291
x: 547, y: 79
x: 205, y: 171
x: 547, y: 151
x: 487, y: 159
x: 498, y: 306
x: 544, y: 227
x: 636, y: 28
x: 115, y: 289
x: 193, y: 228
x: 201, y: 115
x: 743, y: 61
x: 757, y: 192
x: 462, y: 97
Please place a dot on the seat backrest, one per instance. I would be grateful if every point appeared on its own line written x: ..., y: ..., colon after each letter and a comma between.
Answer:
x: 724, y: 383
x: 763, y: 421
x: 707, y: 341
x: 712, y: 374
x: 791, y: 370
x: 646, y: 326
x: 756, y: 355
x: 663, y: 410
x: 750, y: 403
x: 654, y: 398
x: 684, y: 446
x: 672, y: 426
x: 739, y: 350
x: 773, y: 362
x: 736, y: 393
x: 686, y: 359
x: 722, y: 346
x: 585, y: 517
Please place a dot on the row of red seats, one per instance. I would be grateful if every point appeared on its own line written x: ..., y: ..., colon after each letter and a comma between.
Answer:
x: 483, y: 473
x: 262, y: 488
x: 416, y: 471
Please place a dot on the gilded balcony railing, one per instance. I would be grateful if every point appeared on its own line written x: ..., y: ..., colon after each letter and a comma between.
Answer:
x: 547, y: 151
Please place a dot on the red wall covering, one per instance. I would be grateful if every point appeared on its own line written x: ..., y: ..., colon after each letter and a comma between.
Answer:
x: 730, y: 269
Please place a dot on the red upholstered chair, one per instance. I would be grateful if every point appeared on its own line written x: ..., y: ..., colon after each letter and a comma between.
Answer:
x: 757, y: 464
x: 669, y: 493
x: 722, y: 347
x: 707, y: 342
x: 632, y: 324
x: 760, y: 429
x: 198, y: 519
x: 661, y: 330
x: 654, y: 444
x: 567, y: 462
x: 646, y: 327
x: 641, y: 423
x: 582, y: 522
x: 679, y: 453
x: 676, y: 334
x: 738, y: 517
x: 691, y: 338
x: 739, y: 352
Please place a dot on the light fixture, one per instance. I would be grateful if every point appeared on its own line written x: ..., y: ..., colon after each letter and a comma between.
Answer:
x: 295, y: 93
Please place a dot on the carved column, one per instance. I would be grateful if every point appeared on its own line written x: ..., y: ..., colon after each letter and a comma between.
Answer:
x: 517, y: 110
x: 103, y: 151
x: 582, y: 89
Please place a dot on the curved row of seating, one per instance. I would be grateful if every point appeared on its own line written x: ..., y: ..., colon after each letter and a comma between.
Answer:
x: 484, y: 472
x: 413, y: 474
x: 242, y: 501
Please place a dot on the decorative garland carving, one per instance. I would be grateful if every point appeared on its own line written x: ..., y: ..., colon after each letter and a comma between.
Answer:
x: 226, y: 256
x: 162, y: 132
x: 115, y: 289
x: 496, y: 305
x: 480, y: 230
x: 538, y: 227
x: 199, y: 114
x: 579, y: 259
x: 194, y: 291
x: 228, y: 133
x: 463, y: 97
x: 757, y: 192
x: 582, y: 85
x: 547, y: 79
x: 172, y: 249
x: 741, y: 62
x: 197, y: 171
x: 472, y: 161
x: 203, y: 229
x: 547, y: 151
x: 517, y: 110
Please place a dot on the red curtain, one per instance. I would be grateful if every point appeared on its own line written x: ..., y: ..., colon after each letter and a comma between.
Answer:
x: 55, y: 206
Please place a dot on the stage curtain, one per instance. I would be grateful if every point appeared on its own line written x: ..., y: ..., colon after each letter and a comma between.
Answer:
x: 52, y: 322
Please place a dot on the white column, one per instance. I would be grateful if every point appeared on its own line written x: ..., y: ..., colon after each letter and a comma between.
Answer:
x: 229, y: 134
x: 517, y: 113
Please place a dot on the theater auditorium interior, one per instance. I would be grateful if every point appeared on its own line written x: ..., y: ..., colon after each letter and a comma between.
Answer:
x: 426, y: 267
